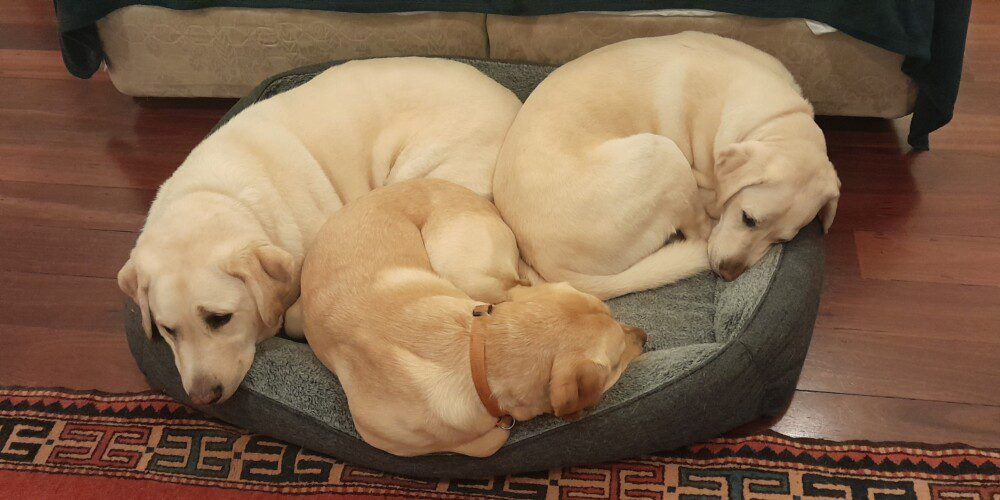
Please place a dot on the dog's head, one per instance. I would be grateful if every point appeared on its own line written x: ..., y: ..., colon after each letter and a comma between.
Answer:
x: 212, y: 304
x: 768, y: 192
x: 577, y: 350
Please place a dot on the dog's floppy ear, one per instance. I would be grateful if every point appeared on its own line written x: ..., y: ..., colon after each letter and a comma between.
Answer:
x: 575, y: 386
x: 829, y: 210
x: 634, y: 331
x: 737, y: 166
x: 267, y: 272
x: 136, y: 286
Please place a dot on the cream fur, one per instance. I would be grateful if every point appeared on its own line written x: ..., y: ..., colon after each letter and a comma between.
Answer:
x: 228, y: 231
x: 617, y: 151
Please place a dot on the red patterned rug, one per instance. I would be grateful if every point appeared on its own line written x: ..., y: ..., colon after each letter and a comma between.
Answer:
x: 58, y: 443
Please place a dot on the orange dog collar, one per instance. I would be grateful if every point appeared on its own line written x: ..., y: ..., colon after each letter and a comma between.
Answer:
x: 477, y: 359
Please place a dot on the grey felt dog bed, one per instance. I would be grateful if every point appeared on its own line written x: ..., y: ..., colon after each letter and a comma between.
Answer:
x: 719, y: 355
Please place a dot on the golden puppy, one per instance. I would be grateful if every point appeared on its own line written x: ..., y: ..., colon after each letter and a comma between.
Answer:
x: 617, y: 151
x: 388, y: 293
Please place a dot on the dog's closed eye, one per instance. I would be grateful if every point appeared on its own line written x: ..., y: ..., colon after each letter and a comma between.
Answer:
x: 749, y: 221
x: 216, y: 321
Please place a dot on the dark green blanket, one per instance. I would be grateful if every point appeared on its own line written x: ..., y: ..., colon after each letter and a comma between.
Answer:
x: 931, y: 34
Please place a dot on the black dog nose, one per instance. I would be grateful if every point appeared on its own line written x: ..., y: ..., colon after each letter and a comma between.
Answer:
x: 206, y: 396
x: 730, y: 270
x: 216, y: 394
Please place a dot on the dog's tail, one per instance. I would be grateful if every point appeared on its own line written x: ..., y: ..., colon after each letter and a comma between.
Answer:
x: 669, y: 264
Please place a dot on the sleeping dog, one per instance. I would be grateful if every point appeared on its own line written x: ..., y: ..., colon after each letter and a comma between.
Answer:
x: 620, y: 151
x: 217, y: 263
x: 395, y: 291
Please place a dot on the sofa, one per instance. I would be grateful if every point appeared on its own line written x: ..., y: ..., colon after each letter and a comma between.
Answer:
x: 883, y: 58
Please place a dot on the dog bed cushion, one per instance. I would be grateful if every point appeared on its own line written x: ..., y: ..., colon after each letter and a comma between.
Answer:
x: 719, y: 355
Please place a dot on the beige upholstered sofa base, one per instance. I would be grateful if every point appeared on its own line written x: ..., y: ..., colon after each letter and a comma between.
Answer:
x: 225, y: 52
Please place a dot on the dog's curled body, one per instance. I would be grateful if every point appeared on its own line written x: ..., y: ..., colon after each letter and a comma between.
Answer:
x: 217, y: 263
x: 294, y: 158
x: 388, y: 291
x: 381, y: 314
x: 622, y: 148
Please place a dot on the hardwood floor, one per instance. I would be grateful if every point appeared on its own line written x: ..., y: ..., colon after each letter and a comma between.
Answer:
x: 907, y: 344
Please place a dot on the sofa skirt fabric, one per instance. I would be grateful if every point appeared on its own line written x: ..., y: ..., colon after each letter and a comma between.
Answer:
x: 225, y: 52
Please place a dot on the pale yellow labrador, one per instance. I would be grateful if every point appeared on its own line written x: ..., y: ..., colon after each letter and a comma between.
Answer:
x: 617, y: 152
x: 217, y: 263
x: 389, y: 290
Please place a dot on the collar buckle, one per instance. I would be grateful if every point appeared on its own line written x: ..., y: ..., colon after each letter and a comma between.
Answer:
x: 482, y: 310
x: 506, y: 422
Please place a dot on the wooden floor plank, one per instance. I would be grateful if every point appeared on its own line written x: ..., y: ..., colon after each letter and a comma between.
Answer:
x: 976, y: 125
x: 30, y: 128
x: 69, y: 303
x: 37, y: 12
x: 961, y: 260
x: 902, y: 366
x: 64, y: 331
x: 86, y: 133
x: 967, y: 174
x: 48, y: 357
x: 974, y: 108
x: 841, y: 255
x: 929, y: 310
x: 929, y: 214
x: 66, y: 205
x: 980, y: 66
x: 38, y: 64
x: 63, y: 250
x: 844, y: 417
x: 62, y: 97
x: 112, y: 164
x: 28, y: 36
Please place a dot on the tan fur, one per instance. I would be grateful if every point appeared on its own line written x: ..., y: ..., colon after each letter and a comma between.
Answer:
x: 380, y: 314
x: 228, y: 231
x: 620, y: 149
